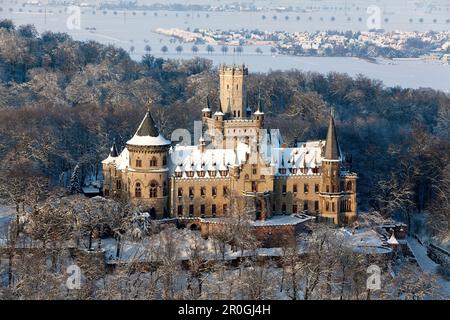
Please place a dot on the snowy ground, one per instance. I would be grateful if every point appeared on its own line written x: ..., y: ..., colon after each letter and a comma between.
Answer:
x: 426, y: 264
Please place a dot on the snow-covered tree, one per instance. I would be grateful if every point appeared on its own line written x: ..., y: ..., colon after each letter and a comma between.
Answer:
x: 75, y: 180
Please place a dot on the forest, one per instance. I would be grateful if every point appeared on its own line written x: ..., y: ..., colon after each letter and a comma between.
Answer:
x: 64, y: 101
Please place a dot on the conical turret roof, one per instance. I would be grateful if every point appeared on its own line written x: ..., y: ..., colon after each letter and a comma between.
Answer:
x: 148, y: 133
x: 331, y: 145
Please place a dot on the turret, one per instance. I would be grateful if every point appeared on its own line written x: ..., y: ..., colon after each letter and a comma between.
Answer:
x: 259, y: 114
x: 206, y: 112
x: 331, y: 163
x: 149, y: 167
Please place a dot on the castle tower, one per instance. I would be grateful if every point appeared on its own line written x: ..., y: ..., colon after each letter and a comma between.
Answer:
x: 232, y: 90
x: 331, y: 164
x: 148, y: 173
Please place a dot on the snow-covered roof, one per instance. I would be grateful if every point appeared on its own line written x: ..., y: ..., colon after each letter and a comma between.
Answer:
x: 392, y: 240
x: 191, y: 158
x: 148, y: 141
x: 148, y: 134
x: 121, y: 162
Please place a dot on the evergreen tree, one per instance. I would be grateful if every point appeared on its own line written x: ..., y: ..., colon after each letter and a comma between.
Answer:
x: 75, y: 180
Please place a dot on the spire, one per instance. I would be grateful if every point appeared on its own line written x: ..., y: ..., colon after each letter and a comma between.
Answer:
x: 259, y: 111
x: 207, y: 102
x: 219, y: 111
x: 331, y: 145
x: 113, y: 151
x: 148, y: 126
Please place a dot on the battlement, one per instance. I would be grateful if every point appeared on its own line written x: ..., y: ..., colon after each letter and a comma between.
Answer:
x: 233, y: 70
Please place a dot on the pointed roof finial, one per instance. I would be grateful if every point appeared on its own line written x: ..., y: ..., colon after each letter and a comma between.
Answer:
x: 331, y: 145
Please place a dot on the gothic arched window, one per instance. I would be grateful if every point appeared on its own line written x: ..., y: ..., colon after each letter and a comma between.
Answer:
x: 153, y: 189
x: 137, y: 190
x: 349, y: 186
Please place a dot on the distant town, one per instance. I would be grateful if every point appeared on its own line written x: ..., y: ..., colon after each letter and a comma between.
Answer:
x: 399, y: 44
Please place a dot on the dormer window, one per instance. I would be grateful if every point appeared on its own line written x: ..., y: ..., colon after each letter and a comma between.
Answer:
x: 201, y: 174
x: 293, y: 170
x: 223, y: 173
x: 178, y: 174
x: 282, y: 170
x: 212, y: 173
x: 190, y: 174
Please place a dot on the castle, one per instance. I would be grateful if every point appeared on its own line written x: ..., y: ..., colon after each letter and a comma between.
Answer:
x: 241, y: 157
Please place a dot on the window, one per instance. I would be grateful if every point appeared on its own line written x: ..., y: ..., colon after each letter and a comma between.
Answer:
x: 316, y: 188
x: 283, y: 208
x: 212, y: 173
x: 190, y: 174
x: 214, y: 191
x: 333, y: 207
x: 137, y: 190
x: 138, y: 163
x: 225, y: 191
x: 180, y: 210
x: 306, y: 188
x: 254, y: 186
x: 316, y: 205
x: 202, y: 210
x: 191, y: 210
x: 203, y: 191
x: 107, y: 192
x: 153, y: 162
x: 284, y: 188
x: 305, y: 205
x: 153, y: 189
x: 164, y: 161
x: 214, y: 209
x: 349, y: 186
x: 294, y: 208
x: 294, y: 188
x: 191, y: 192
x: 118, y: 184
x: 328, y: 188
x: 201, y: 173
x: 225, y: 209
x: 327, y: 206
x: 223, y: 173
x: 180, y: 192
x: 255, y: 170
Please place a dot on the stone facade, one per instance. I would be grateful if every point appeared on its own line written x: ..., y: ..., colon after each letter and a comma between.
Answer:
x: 235, y: 155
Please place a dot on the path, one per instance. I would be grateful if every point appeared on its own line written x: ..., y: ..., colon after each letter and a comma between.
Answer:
x: 426, y: 264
